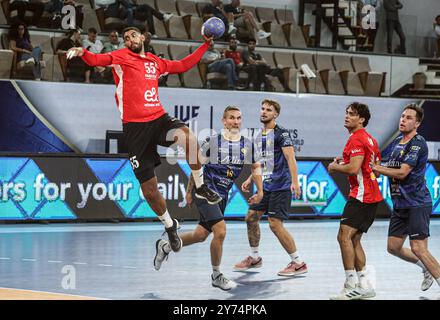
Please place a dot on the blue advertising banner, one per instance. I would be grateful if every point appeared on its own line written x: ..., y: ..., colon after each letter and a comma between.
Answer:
x: 74, y: 188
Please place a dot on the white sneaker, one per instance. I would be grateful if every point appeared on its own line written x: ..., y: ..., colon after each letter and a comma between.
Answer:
x: 232, y: 29
x: 167, y: 16
x: 348, y: 293
x: 263, y: 34
x: 366, y: 293
x: 223, y: 283
x: 30, y: 61
x: 428, y: 280
x: 161, y: 255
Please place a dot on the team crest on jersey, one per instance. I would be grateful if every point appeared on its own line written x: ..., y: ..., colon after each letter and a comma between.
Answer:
x: 370, y: 141
x: 229, y: 173
x: 244, y: 151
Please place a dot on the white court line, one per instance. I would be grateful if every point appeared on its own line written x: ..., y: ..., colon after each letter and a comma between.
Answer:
x: 32, y: 260
x: 105, y: 265
x: 80, y: 263
x: 128, y: 267
x: 54, y: 261
x: 5, y: 258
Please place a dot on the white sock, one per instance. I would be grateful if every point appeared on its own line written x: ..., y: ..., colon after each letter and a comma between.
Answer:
x: 254, y: 252
x: 363, y: 279
x: 215, y: 271
x: 231, y: 24
x: 166, y: 219
x: 295, y: 257
x: 198, y: 177
x: 421, y: 265
x: 167, y: 248
x: 351, y: 278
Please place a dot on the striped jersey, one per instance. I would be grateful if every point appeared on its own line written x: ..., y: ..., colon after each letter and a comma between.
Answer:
x: 363, y: 185
x: 136, y: 78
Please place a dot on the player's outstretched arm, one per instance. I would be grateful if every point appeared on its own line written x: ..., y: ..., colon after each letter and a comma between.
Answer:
x: 93, y: 60
x: 189, y: 61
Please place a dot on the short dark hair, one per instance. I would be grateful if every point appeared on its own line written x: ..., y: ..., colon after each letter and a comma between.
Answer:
x: 252, y: 40
x: 419, y: 111
x: 129, y: 29
x: 230, y: 108
x: 362, y: 111
x: 272, y: 103
x: 437, y: 17
x: 93, y: 30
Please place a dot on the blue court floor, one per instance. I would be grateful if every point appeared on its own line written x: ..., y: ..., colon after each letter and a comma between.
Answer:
x: 115, y: 261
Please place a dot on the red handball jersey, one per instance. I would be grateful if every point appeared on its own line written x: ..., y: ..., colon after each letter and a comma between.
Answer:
x: 363, y: 185
x: 136, y: 78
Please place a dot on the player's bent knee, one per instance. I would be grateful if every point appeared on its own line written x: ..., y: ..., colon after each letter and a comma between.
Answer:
x: 276, y: 225
x: 417, y: 248
x: 252, y: 217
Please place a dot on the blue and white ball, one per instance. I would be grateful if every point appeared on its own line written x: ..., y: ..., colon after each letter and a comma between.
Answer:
x: 213, y: 27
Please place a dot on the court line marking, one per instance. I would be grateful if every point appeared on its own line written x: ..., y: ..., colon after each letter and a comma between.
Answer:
x: 5, y: 258
x: 105, y: 265
x: 54, y: 261
x: 80, y: 263
x: 31, y: 260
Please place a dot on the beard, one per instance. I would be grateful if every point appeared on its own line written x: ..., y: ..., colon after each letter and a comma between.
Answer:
x: 137, y: 49
x: 265, y: 120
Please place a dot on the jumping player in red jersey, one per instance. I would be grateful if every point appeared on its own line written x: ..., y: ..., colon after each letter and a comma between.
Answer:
x: 361, y: 207
x: 145, y: 122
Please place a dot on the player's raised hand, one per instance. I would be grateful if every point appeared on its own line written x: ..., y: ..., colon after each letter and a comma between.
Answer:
x: 74, y: 52
x: 246, y: 186
x: 209, y: 40
x: 296, y: 189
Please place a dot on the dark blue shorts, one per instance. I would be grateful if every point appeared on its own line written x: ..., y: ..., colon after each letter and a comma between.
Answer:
x: 275, y: 204
x: 210, y: 214
x: 413, y: 222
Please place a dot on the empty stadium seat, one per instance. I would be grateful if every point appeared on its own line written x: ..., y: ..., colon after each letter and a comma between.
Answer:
x: 185, y: 7
x: 3, y: 18
x: 6, y: 58
x: 372, y: 82
x: 268, y: 56
x: 161, y: 28
x: 350, y: 79
x: 295, y: 36
x: 53, y: 70
x: 195, y: 27
x: 331, y: 78
x: 284, y: 16
x: 176, y: 27
x: 167, y: 6
x: 315, y: 85
x: 177, y: 52
x: 266, y: 15
x: 284, y: 61
x: 277, y: 37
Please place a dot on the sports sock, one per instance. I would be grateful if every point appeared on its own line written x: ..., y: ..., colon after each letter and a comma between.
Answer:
x: 215, y: 271
x: 166, y: 219
x: 198, y: 177
x: 295, y: 257
x: 363, y: 279
x: 351, y: 278
x: 421, y: 265
x: 254, y: 252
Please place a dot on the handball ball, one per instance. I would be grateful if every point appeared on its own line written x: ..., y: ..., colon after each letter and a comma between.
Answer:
x: 213, y: 27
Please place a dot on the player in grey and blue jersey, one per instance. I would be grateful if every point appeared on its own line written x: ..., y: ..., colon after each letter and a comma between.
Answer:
x: 224, y: 155
x: 412, y: 202
x: 280, y: 178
